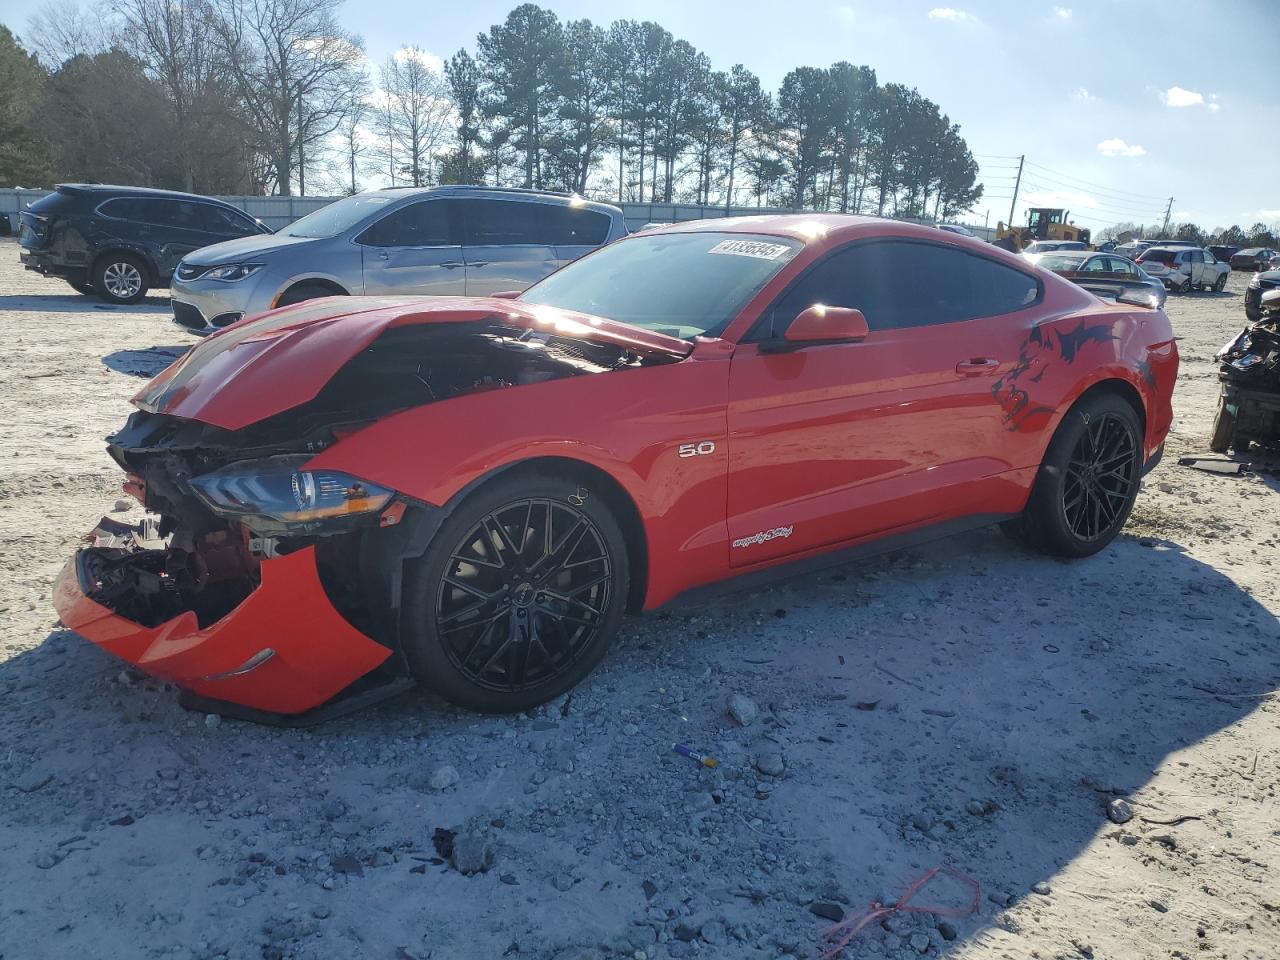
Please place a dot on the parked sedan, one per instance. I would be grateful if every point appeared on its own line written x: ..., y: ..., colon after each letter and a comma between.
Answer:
x: 1223, y: 253
x: 438, y: 241
x: 1185, y: 268
x: 1107, y: 275
x: 1255, y: 258
x: 118, y: 242
x: 472, y: 491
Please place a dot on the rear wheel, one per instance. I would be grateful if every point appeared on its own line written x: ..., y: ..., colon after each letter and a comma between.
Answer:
x: 120, y: 278
x: 519, y: 595
x: 1087, y: 482
x: 1220, y: 284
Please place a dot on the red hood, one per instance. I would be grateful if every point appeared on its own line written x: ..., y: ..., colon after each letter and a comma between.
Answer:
x: 279, y: 360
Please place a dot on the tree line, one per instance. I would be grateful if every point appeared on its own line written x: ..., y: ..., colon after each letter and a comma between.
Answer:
x: 1258, y: 235
x: 273, y: 96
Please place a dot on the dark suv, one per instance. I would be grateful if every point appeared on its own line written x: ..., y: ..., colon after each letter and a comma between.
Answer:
x: 116, y: 242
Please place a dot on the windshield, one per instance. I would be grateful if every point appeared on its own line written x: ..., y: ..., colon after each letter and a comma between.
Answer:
x: 680, y: 284
x: 336, y: 217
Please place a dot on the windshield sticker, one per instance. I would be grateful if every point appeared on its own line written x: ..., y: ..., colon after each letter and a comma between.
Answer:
x: 750, y: 248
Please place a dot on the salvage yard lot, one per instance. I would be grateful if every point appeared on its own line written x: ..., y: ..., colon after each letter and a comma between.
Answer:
x: 965, y: 703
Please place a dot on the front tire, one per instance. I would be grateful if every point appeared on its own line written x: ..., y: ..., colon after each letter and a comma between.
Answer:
x: 1220, y: 284
x: 120, y: 278
x: 1087, y: 482
x: 1185, y: 286
x: 519, y: 595
x: 302, y: 292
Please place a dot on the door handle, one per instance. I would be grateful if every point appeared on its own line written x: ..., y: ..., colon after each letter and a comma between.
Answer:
x: 477, y: 263
x: 452, y: 264
x: 977, y: 366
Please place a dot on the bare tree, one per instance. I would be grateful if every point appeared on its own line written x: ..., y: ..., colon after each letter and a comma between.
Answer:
x: 415, y: 111
x: 63, y: 29
x: 174, y: 40
x: 296, y: 73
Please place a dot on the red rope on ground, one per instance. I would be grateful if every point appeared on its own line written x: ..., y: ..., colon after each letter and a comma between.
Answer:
x: 839, y: 936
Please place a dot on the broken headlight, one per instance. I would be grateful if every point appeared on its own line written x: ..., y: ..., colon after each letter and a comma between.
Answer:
x: 279, y: 489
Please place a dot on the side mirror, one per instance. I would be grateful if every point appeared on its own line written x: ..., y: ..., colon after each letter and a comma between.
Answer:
x: 506, y: 294
x: 820, y: 324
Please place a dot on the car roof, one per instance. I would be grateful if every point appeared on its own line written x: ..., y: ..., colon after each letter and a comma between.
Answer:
x: 812, y: 227
x: 1168, y: 249
x: 472, y: 190
x: 140, y: 191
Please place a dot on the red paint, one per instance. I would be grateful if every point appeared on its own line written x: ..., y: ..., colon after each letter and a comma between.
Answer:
x: 317, y: 652
x: 835, y: 444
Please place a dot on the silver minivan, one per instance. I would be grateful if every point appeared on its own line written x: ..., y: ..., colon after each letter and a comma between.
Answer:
x: 430, y: 241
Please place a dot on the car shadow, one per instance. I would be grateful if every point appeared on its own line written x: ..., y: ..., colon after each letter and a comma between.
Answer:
x: 144, y: 363
x: 79, y: 303
x: 901, y: 691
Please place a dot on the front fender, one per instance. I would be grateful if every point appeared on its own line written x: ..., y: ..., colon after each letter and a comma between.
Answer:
x: 629, y: 424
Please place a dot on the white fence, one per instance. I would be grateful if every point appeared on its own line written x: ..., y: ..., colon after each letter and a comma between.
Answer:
x: 277, y: 212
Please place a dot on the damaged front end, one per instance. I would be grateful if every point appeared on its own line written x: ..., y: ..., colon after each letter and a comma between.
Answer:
x: 1249, y: 408
x: 259, y: 580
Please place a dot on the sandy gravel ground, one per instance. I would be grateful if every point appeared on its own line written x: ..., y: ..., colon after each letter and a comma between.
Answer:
x: 964, y: 704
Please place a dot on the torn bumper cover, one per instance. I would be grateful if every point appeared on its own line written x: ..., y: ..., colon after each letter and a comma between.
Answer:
x: 284, y: 648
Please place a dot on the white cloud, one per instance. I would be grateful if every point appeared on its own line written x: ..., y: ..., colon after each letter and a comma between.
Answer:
x: 1083, y: 95
x: 1115, y: 147
x: 1215, y: 107
x: 952, y: 15
x: 1265, y: 216
x: 1179, y: 97
x: 1062, y: 13
x: 424, y: 57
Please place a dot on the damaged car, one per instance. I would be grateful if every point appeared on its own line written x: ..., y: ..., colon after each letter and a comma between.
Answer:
x: 350, y: 495
x: 1249, y: 375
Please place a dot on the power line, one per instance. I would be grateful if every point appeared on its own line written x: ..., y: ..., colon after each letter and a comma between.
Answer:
x: 1093, y: 185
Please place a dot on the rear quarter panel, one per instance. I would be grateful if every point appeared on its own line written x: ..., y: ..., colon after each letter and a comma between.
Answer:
x: 1063, y: 357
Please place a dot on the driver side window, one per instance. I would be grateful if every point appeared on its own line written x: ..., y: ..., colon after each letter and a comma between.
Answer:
x: 422, y: 224
x: 901, y: 283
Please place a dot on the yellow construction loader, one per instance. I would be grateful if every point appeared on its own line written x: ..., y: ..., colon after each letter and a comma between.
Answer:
x: 1043, y: 223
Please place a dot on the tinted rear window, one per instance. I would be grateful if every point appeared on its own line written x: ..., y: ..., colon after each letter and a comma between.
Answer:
x: 572, y: 226
x: 502, y: 222
x: 1160, y: 256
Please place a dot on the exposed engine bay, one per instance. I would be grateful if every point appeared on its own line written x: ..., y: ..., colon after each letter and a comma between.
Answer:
x: 1249, y: 411
x: 203, y: 549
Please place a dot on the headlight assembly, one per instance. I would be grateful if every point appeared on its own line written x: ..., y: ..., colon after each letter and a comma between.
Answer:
x: 276, y: 494
x: 230, y: 272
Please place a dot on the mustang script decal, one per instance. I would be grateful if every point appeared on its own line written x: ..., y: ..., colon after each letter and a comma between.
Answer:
x: 763, y: 536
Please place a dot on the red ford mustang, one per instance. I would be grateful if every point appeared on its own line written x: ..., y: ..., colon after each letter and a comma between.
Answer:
x: 352, y: 494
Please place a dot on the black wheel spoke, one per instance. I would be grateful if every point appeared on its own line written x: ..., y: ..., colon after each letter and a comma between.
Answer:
x: 524, y: 594
x: 1100, y: 477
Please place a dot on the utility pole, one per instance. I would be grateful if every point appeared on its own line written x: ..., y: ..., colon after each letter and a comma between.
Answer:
x: 1014, y: 202
x: 1167, y: 213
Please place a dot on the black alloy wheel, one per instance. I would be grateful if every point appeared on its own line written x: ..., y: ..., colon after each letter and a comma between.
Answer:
x: 524, y: 594
x: 1087, y: 482
x: 519, y: 596
x: 1100, y: 478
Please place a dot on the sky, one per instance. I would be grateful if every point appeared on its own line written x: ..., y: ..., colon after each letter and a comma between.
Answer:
x: 1116, y: 106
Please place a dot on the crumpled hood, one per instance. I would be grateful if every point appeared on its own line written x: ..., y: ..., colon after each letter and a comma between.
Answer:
x: 242, y: 248
x: 267, y: 364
